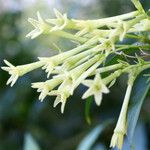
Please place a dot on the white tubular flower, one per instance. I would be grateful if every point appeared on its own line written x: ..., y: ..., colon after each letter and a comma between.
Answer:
x: 18, y: 71
x: 96, y: 88
x: 62, y: 96
x: 76, y: 59
x: 60, y: 22
x: 49, y: 65
x: 46, y: 87
x: 76, y: 72
x: 40, y: 27
x: 117, y: 140
x: 143, y: 25
x: 120, y: 130
x: 52, y: 62
x: 86, y: 74
x: 13, y: 71
x: 63, y: 92
x: 84, y: 27
x: 120, y: 31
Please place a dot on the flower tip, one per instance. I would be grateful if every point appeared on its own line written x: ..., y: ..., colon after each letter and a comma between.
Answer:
x: 48, y: 74
x: 106, y: 90
x: 84, y: 96
x: 33, y: 85
x: 5, y: 68
x: 5, y: 61
x: 42, y: 96
x: 39, y: 16
x: 62, y: 110
x: 8, y: 63
x: 63, y: 107
x: 56, y: 12
x: 56, y: 102
x: 117, y: 140
x: 12, y: 80
x: 29, y: 35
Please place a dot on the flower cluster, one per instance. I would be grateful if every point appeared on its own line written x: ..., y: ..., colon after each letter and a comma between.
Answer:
x: 88, y: 59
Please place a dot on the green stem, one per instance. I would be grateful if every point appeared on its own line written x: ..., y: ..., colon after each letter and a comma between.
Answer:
x: 68, y: 36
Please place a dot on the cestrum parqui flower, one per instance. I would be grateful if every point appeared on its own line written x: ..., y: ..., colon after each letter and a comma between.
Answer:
x: 49, y: 65
x: 60, y: 22
x: 96, y: 88
x: 45, y: 87
x: 18, y: 71
x: 13, y: 71
x: 84, y: 26
x: 120, y: 130
x: 63, y: 92
x: 40, y: 27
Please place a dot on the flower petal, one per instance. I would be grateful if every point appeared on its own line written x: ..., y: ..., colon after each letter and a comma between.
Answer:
x: 98, y: 98
x: 8, y: 63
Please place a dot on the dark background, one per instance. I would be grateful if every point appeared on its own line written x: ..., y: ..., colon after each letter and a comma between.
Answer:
x: 22, y: 114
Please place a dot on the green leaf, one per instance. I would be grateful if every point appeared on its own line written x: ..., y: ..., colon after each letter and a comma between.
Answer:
x: 87, y: 109
x: 30, y: 143
x: 90, y: 139
x: 140, y: 89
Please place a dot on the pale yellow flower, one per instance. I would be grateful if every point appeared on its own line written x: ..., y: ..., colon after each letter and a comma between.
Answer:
x: 63, y: 92
x: 39, y: 25
x: 84, y: 26
x: 62, y: 96
x: 96, y: 88
x: 120, y: 130
x: 117, y: 140
x: 18, y: 71
x: 49, y: 65
x: 45, y: 87
x: 60, y: 22
x: 13, y: 71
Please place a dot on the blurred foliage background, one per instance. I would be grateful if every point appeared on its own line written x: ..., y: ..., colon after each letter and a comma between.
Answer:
x: 23, y: 118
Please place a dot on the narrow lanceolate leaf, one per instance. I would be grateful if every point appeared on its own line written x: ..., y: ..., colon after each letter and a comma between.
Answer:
x: 90, y: 139
x: 140, y: 89
x: 87, y: 109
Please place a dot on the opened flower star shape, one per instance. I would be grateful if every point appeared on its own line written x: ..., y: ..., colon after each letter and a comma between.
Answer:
x: 60, y: 22
x: 13, y: 71
x: 63, y: 92
x: 39, y: 25
x: 96, y: 88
